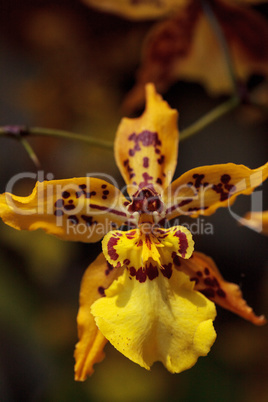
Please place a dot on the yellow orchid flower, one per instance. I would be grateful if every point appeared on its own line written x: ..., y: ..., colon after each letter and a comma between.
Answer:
x: 147, y: 293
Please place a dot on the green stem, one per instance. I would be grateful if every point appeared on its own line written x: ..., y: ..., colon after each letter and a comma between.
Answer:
x: 19, y: 132
x: 208, y: 11
x: 210, y: 117
x: 30, y: 152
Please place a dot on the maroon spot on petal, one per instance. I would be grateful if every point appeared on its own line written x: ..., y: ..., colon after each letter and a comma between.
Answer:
x: 195, y: 209
x: 106, y: 192
x: 183, y: 242
x: 176, y: 259
x: 65, y: 194
x: 185, y: 202
x: 126, y: 261
x: 126, y: 203
x: 159, y: 181
x: 132, y: 271
x: 145, y: 138
x: 220, y: 293
x: 111, y: 250
x: 229, y: 187
x: 101, y: 290
x: 141, y: 275
x: 225, y: 178
x: 109, y: 268
x: 79, y: 193
x: 104, y: 186
x: 89, y: 195
x: 151, y: 271
x: 161, y: 159
x: 82, y: 186
x: 196, y: 280
x: 224, y: 196
x: 199, y: 273
x: 210, y: 282
x: 208, y: 292
x: 167, y: 270
x: 206, y: 270
x: 145, y: 162
x: 59, y: 203
x: 73, y: 219
x: 69, y: 207
x: 88, y: 219
x: 198, y: 179
x: 58, y: 212
x: 104, y: 197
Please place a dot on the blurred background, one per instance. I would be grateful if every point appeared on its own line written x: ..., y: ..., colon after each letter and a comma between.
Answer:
x: 66, y: 66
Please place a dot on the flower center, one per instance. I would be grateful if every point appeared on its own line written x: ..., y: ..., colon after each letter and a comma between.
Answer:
x: 147, y: 205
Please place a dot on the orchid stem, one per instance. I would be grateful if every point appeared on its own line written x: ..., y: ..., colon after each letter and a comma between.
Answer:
x: 30, y: 152
x: 210, y: 117
x: 222, y: 40
x: 21, y: 131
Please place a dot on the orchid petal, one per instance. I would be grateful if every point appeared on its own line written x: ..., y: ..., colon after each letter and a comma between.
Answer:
x: 201, y: 191
x: 185, y: 47
x: 141, y: 9
x: 158, y: 320
x: 257, y: 221
x: 144, y: 254
x: 208, y: 280
x: 78, y: 209
x: 89, y: 350
x: 146, y: 148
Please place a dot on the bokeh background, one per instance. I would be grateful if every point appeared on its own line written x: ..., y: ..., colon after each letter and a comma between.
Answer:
x: 66, y: 66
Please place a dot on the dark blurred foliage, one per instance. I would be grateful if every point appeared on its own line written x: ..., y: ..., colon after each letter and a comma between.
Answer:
x: 66, y: 66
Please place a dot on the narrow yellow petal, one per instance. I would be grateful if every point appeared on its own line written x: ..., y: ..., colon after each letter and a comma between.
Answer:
x: 89, y: 350
x: 207, y: 279
x: 78, y: 209
x: 146, y: 147
x: 201, y: 191
x: 158, y: 320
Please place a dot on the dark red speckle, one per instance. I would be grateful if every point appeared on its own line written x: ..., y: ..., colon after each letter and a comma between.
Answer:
x: 111, y: 251
x: 151, y: 271
x: 167, y: 270
x: 221, y: 293
x: 145, y: 162
x: 65, y: 194
x: 208, y: 292
x: 141, y: 275
x: 146, y: 138
x: 183, y: 242
x: 225, y: 178
x: 101, y: 290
